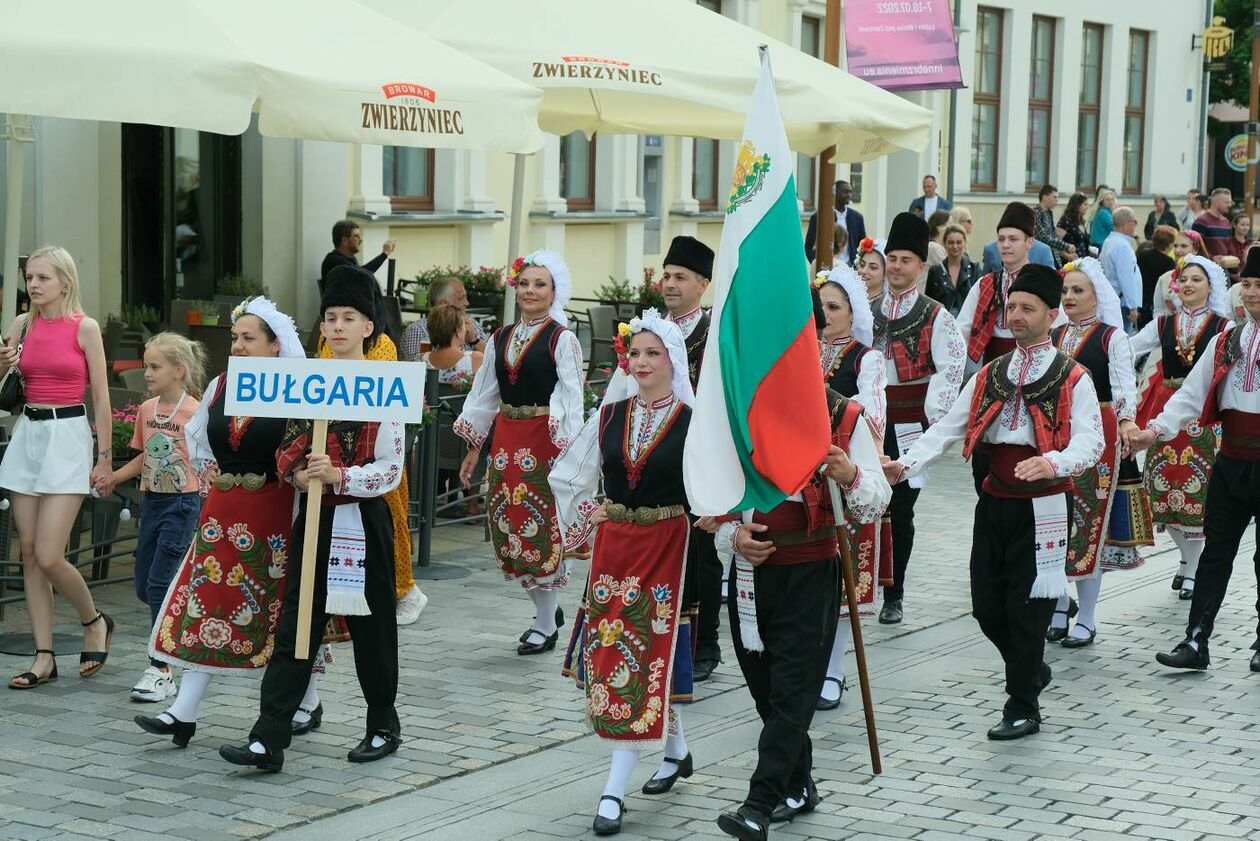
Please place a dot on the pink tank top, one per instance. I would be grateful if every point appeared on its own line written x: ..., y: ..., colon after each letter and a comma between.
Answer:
x: 54, y: 368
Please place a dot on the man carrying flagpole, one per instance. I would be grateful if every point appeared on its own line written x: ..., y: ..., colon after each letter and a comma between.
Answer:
x: 762, y: 427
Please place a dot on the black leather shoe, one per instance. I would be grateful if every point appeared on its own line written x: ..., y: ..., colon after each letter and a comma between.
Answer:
x: 1080, y: 642
x: 1255, y: 662
x: 1185, y: 657
x: 785, y: 812
x: 890, y: 613
x: 1008, y: 730
x: 745, y: 823
x: 609, y: 826
x: 559, y: 624
x: 527, y: 647
x: 271, y: 761
x: 1187, y: 593
x: 1177, y: 581
x: 659, y: 785
x: 181, y: 732
x: 366, y: 753
x: 702, y: 670
x: 312, y: 723
x: 1060, y: 634
x: 824, y: 704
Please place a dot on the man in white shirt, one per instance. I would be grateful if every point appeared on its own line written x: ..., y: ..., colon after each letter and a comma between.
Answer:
x: 928, y: 203
x: 1119, y: 263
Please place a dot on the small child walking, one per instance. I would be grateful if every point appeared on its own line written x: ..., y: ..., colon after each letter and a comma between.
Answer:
x: 175, y: 372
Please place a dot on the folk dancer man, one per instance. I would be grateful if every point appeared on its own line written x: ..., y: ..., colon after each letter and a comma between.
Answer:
x: 1038, y: 411
x: 925, y: 360
x: 1224, y: 387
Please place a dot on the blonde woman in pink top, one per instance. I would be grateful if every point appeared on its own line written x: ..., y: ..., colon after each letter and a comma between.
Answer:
x: 51, y: 462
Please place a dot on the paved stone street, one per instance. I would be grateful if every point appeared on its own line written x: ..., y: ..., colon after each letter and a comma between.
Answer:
x: 496, y: 746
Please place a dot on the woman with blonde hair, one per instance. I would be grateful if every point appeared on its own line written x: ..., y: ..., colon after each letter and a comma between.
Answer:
x: 1100, y: 221
x: 51, y: 462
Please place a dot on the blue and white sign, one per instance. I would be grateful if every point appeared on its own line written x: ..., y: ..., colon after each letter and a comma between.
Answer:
x: 332, y: 389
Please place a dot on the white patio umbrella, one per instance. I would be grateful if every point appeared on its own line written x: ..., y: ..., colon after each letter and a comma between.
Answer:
x: 663, y: 67
x: 311, y: 69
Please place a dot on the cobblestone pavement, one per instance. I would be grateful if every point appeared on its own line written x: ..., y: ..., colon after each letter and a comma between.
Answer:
x: 496, y: 746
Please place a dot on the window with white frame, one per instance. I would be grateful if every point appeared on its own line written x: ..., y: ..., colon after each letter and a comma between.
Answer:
x: 986, y: 100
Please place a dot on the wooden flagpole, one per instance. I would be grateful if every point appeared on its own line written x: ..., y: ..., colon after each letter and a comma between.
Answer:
x: 310, y: 544
x: 855, y: 622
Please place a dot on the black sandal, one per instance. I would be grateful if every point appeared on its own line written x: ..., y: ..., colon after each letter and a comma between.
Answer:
x: 33, y: 680
x: 97, y: 658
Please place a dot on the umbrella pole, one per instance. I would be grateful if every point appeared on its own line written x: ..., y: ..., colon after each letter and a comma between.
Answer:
x: 16, y: 153
x: 514, y: 231
x: 850, y: 596
x: 824, y: 200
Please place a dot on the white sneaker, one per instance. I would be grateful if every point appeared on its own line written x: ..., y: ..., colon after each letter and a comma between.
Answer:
x: 410, y: 605
x: 154, y: 685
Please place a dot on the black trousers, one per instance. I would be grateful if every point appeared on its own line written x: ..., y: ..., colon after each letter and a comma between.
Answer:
x: 375, y: 636
x: 1233, y: 499
x: 901, y: 512
x: 1003, y: 568
x: 707, y: 568
x: 797, y: 609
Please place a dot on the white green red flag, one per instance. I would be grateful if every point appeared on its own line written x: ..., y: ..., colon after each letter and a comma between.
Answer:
x: 760, y: 425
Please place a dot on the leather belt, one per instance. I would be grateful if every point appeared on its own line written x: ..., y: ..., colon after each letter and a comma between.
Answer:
x: 795, y: 538
x: 523, y: 412
x: 619, y: 513
x: 248, y: 481
x: 55, y: 414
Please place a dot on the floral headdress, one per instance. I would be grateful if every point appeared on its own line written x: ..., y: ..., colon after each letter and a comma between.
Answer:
x: 280, y: 324
x: 561, y: 280
x: 866, y: 246
x: 622, y: 385
x: 1109, y: 311
x: 1218, y: 284
x: 855, y: 291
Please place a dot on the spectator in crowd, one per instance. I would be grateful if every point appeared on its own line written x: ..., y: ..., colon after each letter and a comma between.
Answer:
x: 961, y: 216
x: 846, y: 217
x: 1101, y: 223
x: 1071, y: 228
x: 1047, y: 201
x: 1038, y: 252
x: 347, y: 243
x: 1237, y: 244
x: 839, y: 245
x: 936, y: 227
x: 949, y: 282
x: 1120, y: 264
x: 928, y: 203
x: 1193, y: 207
x: 1153, y: 259
x: 451, y: 356
x: 1213, y: 223
x: 1165, y: 301
x: 443, y: 290
x: 1161, y: 215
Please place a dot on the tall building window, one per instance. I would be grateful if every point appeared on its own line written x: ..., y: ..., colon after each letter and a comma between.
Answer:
x: 704, y: 172
x: 1135, y: 110
x: 986, y: 99
x: 1040, y: 103
x: 407, y: 177
x: 1090, y: 107
x: 577, y: 171
x: 806, y: 166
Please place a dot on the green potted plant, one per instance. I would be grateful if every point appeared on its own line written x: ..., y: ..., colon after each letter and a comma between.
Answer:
x: 142, y: 317
x: 207, y: 312
x: 483, y: 284
x: 234, y: 288
x: 650, y: 293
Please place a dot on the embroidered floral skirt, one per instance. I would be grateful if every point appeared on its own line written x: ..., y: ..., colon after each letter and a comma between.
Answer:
x: 1129, y: 525
x: 630, y: 648
x: 520, y: 508
x: 864, y: 548
x: 223, y: 605
x: 1092, y: 493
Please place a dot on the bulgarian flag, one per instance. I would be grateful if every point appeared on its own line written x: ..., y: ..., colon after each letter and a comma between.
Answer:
x: 760, y: 426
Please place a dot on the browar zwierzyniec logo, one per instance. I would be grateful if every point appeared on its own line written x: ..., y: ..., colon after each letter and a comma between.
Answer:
x: 410, y: 107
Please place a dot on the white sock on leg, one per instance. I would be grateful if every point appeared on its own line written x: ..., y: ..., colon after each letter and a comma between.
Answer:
x: 835, y: 666
x: 309, y: 701
x: 619, y: 771
x: 1060, y: 618
x: 675, y: 745
x: 192, y: 686
x: 1087, y: 591
x: 545, y: 602
x: 1190, y: 552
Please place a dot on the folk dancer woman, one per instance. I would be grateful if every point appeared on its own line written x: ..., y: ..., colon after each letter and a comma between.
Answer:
x: 631, y: 647
x: 870, y: 266
x: 533, y: 396
x: 853, y: 369
x: 1111, y: 515
x: 1178, y: 471
x: 221, y: 611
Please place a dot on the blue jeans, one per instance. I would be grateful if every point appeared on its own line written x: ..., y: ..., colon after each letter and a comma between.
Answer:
x: 167, y: 524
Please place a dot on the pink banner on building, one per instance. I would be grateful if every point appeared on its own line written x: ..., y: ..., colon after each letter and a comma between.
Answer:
x: 902, y: 45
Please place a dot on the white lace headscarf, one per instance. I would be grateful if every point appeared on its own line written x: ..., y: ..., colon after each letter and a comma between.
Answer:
x: 1109, y: 311
x: 281, y: 325
x: 855, y: 291
x: 561, y: 280
x: 623, y: 385
x: 1218, y: 285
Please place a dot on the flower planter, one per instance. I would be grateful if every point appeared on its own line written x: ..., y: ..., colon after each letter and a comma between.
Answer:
x: 193, y: 318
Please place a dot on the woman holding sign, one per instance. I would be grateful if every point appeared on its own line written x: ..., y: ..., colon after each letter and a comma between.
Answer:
x: 221, y: 611
x: 631, y: 646
x: 533, y: 397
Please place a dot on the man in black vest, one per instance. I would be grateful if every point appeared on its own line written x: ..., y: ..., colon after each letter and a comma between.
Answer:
x: 688, y: 266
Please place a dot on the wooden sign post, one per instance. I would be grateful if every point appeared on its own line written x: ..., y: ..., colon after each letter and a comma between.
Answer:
x: 321, y: 390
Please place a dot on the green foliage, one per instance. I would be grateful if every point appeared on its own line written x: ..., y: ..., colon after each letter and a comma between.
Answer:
x: 240, y: 285
x: 137, y: 317
x: 1234, y: 84
x: 615, y: 290
x: 481, y: 279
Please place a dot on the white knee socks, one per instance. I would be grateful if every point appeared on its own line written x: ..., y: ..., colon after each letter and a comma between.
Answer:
x: 623, y: 762
x: 1190, y: 552
x: 309, y: 701
x: 675, y: 745
x: 545, y: 602
x: 1087, y: 591
x: 835, y: 666
x: 192, y: 686
x: 1060, y: 618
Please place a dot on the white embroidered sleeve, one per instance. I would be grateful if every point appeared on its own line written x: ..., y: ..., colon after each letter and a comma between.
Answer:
x: 949, y: 354
x: 1146, y: 339
x: 941, y: 435
x: 481, y: 406
x: 872, y: 382
x: 1085, y: 446
x: 568, y: 407
x: 1187, y: 404
x: 1123, y: 378
x: 724, y: 537
x: 967, y: 315
x: 381, y: 475
x: 869, y: 493
x: 575, y: 482
x: 196, y: 436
